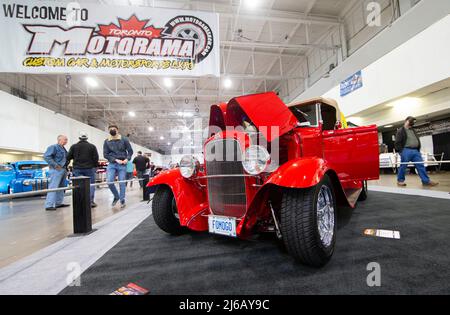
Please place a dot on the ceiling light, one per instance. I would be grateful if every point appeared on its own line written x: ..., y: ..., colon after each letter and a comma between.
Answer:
x: 405, y: 106
x: 227, y: 83
x: 251, y: 4
x: 168, y: 143
x: 405, y: 102
x: 91, y: 82
x: 185, y: 114
x: 151, y: 129
x: 132, y: 114
x: 161, y: 138
x: 168, y: 82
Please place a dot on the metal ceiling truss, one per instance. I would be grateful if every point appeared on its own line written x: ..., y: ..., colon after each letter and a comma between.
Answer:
x: 110, y: 103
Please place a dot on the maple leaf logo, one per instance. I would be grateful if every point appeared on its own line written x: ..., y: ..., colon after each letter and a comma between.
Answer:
x: 133, y: 27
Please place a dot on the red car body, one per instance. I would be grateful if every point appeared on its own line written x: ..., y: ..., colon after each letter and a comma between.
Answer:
x: 307, y: 153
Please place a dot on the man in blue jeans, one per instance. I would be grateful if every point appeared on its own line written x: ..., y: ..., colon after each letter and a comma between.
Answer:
x: 85, y: 161
x: 56, y: 157
x: 117, y: 150
x: 407, y: 143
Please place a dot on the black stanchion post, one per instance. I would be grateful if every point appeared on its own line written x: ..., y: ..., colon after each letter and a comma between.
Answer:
x: 145, y: 191
x: 82, y: 220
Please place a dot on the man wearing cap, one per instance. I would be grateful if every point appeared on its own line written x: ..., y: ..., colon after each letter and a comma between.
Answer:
x: 407, y: 143
x: 85, y: 161
x: 117, y: 150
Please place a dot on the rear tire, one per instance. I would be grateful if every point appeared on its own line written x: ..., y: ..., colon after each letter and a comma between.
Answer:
x: 299, y: 223
x: 364, y: 192
x: 165, y: 212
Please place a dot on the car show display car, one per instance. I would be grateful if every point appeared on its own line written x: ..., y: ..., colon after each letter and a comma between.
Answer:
x: 23, y: 176
x: 7, y: 174
x: 271, y: 167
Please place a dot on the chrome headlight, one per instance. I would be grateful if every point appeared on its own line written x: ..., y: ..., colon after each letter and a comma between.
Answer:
x: 189, y: 166
x: 27, y: 182
x: 256, y: 159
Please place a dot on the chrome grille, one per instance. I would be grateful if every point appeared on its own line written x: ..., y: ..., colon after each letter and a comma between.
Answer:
x: 226, y: 194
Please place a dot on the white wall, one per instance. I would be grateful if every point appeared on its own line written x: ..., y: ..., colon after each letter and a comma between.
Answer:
x: 431, y: 105
x: 26, y: 126
x: 420, y: 62
x: 407, y: 27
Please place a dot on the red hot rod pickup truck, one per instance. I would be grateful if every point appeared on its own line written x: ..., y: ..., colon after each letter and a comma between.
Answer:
x: 271, y: 167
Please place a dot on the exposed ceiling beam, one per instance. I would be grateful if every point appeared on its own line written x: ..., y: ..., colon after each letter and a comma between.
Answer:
x: 256, y: 52
x: 310, y: 6
x: 277, y: 45
x: 271, y: 15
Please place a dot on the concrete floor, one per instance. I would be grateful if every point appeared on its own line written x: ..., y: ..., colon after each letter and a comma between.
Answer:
x: 26, y: 227
x: 413, y: 181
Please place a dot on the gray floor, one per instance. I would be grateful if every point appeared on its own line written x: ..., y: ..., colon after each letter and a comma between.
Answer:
x: 199, y: 263
x: 25, y: 227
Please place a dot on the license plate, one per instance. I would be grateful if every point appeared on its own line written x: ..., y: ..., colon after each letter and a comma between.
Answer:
x: 222, y: 225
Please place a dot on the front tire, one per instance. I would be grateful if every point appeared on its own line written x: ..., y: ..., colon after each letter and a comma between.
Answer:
x: 165, y: 212
x: 308, y: 223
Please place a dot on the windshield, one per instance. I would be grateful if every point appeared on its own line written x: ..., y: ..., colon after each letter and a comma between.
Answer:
x: 32, y: 167
x: 305, y: 114
x: 248, y: 126
x: 5, y: 168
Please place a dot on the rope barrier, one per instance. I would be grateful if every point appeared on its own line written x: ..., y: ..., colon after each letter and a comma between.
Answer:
x: 45, y: 191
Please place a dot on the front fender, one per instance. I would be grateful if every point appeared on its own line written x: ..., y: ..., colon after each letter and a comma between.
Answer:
x: 189, y: 195
x: 299, y: 173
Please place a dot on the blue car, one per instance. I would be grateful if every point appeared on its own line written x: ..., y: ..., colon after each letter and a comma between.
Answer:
x: 7, y: 174
x: 23, y: 176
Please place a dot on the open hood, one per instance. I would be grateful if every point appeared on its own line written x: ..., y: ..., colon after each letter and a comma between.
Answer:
x: 266, y: 111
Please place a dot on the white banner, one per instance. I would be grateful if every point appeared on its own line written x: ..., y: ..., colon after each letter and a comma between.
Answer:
x: 72, y: 37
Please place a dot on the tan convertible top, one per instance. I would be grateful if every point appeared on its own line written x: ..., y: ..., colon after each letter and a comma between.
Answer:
x: 328, y: 101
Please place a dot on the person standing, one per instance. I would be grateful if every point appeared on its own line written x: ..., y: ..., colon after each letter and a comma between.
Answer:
x: 130, y: 169
x: 142, y: 164
x: 117, y: 150
x: 85, y: 161
x: 152, y: 169
x: 56, y: 157
x: 407, y: 143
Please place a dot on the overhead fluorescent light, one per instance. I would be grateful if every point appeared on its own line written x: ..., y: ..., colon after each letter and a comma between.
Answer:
x: 252, y: 4
x: 161, y: 138
x: 185, y: 114
x: 227, y: 83
x: 405, y: 102
x: 168, y: 83
x: 91, y: 82
x: 132, y: 114
x: 14, y: 152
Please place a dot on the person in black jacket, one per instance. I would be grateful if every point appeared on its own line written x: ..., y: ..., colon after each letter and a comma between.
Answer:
x: 118, y: 151
x: 142, y: 164
x: 85, y: 161
x: 407, y: 143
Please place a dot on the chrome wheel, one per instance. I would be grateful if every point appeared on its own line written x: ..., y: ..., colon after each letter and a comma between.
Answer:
x: 325, y: 215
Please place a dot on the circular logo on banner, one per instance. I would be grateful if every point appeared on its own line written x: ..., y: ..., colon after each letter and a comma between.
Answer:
x: 192, y: 28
